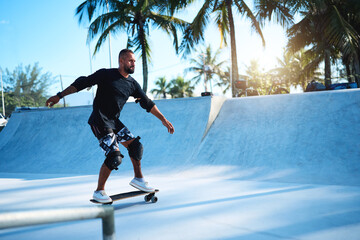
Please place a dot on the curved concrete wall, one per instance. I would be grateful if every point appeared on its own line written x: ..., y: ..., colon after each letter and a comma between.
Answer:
x: 310, y: 137
x: 307, y: 138
x: 60, y: 140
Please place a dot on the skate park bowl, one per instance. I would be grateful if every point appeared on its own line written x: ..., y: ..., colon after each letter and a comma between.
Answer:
x: 269, y: 167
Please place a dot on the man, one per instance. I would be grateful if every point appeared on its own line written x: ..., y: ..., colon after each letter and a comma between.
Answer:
x: 114, y: 88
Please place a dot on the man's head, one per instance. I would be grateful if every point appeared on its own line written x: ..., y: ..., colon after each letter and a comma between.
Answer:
x: 127, y: 61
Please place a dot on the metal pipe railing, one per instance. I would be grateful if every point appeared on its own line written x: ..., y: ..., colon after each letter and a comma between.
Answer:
x: 28, y: 218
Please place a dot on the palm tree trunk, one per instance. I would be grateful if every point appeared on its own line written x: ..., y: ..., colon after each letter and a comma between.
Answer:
x: 348, y: 72
x: 234, y: 66
x: 145, y: 69
x: 143, y: 56
x: 327, y: 68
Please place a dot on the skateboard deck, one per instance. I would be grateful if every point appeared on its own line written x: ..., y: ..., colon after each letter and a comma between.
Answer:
x: 149, y: 196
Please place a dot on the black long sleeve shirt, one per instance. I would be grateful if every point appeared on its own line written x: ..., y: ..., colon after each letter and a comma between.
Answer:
x: 112, y: 93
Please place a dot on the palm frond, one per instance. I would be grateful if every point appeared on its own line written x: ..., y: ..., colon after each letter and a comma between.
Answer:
x: 300, y: 34
x: 222, y: 21
x: 102, y: 22
x: 170, y: 25
x: 341, y: 33
x: 101, y: 25
x: 193, y: 34
x: 266, y: 10
x: 255, y: 25
x: 88, y: 8
x: 141, y: 44
x: 105, y: 33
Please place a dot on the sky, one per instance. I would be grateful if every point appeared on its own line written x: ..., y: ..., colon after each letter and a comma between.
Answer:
x: 48, y: 32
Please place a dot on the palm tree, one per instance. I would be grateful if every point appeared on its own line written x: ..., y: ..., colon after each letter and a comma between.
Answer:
x: 181, y: 88
x: 295, y: 69
x: 206, y: 66
x: 255, y: 76
x: 223, y: 10
x: 326, y: 30
x: 163, y: 87
x: 133, y: 17
x: 225, y: 80
x: 350, y: 11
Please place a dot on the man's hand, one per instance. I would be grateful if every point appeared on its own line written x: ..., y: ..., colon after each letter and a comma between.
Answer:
x: 55, y: 99
x: 156, y: 112
x: 169, y: 126
x: 52, y: 101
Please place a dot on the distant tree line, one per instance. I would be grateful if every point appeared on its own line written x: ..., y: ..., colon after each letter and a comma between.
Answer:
x: 25, y: 86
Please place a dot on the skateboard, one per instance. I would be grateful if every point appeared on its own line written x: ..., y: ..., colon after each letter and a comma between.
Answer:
x: 148, y: 196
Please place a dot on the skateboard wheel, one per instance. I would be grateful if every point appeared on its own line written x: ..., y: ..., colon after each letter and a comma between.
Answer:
x: 154, y: 199
x: 147, y: 198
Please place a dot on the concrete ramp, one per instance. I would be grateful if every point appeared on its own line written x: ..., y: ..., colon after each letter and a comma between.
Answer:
x: 261, y: 168
x: 305, y: 138
x: 308, y: 138
x: 60, y: 140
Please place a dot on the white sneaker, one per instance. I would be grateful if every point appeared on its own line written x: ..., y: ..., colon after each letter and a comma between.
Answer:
x: 143, y: 186
x: 102, y: 197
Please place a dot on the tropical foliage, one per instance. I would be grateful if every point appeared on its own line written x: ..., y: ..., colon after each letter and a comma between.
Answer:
x: 223, y: 11
x: 295, y: 69
x: 177, y: 88
x: 181, y: 88
x: 163, y: 88
x: 206, y: 66
x: 225, y: 80
x: 256, y: 77
x: 25, y: 86
x: 329, y: 29
x: 135, y: 18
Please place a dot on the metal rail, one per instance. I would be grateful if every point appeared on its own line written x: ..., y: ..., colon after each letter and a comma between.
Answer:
x: 28, y: 218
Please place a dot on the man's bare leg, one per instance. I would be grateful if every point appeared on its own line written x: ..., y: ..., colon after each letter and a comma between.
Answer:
x: 136, y: 164
x: 139, y: 181
x: 103, y: 176
x: 137, y: 168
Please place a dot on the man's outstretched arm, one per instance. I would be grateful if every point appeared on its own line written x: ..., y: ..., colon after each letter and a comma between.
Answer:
x: 156, y: 112
x: 55, y: 99
x: 79, y: 84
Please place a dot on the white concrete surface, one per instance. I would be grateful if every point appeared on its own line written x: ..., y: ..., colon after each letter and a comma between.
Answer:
x: 60, y: 140
x: 275, y: 167
x: 307, y: 138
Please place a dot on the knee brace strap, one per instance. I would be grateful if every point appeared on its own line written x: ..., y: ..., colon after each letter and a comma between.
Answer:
x: 135, y: 149
x: 113, y: 160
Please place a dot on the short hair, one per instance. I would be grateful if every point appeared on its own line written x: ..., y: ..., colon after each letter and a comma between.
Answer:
x: 124, y: 52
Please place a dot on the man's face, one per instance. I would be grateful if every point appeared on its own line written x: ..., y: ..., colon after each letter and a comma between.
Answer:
x: 128, y: 63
